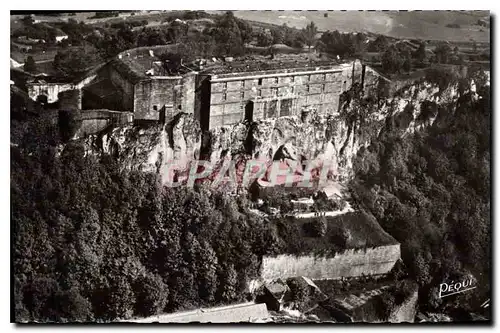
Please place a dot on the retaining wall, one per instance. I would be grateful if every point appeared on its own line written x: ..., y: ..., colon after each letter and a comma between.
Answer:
x: 244, y: 312
x: 277, y: 93
x: 150, y: 96
x: 351, y: 263
x: 94, y: 121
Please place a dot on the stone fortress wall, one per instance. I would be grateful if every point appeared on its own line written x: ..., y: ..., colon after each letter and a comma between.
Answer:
x: 233, y: 97
x: 243, y: 312
x: 216, y: 99
x: 350, y: 263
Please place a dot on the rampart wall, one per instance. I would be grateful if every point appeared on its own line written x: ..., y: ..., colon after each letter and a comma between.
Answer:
x: 125, y: 87
x: 244, y: 312
x: 151, y: 95
x: 94, y: 121
x: 351, y: 263
x: 220, y: 99
x: 52, y: 90
x: 276, y: 93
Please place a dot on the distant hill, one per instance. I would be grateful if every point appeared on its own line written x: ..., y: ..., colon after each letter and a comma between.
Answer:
x: 399, y: 24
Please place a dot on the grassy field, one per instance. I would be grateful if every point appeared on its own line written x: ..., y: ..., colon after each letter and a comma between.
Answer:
x: 429, y: 25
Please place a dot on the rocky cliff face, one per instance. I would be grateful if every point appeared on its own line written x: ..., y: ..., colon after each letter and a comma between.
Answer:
x: 312, y: 138
x: 149, y: 148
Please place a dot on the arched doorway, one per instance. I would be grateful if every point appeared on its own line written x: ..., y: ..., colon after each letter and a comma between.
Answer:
x: 249, y: 111
x: 42, y: 99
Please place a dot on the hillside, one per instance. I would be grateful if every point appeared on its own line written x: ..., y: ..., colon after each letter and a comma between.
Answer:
x: 353, y: 230
x: 399, y: 24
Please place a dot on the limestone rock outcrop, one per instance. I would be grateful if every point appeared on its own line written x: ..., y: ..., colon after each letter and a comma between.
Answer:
x: 308, y: 138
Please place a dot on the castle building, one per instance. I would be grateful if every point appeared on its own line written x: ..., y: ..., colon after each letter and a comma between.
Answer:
x: 223, y: 93
x: 226, y: 96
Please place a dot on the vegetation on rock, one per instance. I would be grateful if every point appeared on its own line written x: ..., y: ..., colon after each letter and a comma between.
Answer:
x: 431, y: 191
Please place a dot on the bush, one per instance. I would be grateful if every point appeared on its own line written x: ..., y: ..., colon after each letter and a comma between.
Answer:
x: 299, y: 293
x: 99, y: 15
x: 316, y: 228
x: 384, y: 304
x: 75, y: 62
x: 339, y: 237
x: 441, y: 76
x: 392, y: 60
x: 29, y: 65
x: 40, y: 298
x: 152, y: 295
x: 69, y: 123
x: 74, y: 307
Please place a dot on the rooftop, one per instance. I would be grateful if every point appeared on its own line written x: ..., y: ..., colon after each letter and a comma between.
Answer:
x: 134, y: 63
x: 263, y: 63
x: 102, y: 89
x: 56, y: 30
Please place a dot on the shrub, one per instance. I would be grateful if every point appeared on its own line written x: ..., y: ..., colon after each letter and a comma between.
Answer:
x: 442, y: 77
x: 30, y: 65
x: 384, y: 304
x: 152, y: 295
x: 69, y: 122
x: 316, y: 228
x: 299, y: 293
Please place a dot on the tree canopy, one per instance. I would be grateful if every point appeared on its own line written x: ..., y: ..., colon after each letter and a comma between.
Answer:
x: 74, y: 62
x: 310, y: 32
x: 431, y: 191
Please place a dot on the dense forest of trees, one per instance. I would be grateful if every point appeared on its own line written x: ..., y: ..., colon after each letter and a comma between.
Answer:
x: 398, y: 57
x: 74, y: 62
x: 431, y: 191
x: 342, y: 44
x: 92, y: 242
x: 226, y: 36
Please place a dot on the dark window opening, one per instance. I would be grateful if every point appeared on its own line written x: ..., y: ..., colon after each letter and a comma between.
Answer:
x: 271, y: 109
x: 42, y: 99
x: 286, y: 107
x: 260, y: 81
x: 249, y: 111
x: 363, y: 71
x: 155, y: 107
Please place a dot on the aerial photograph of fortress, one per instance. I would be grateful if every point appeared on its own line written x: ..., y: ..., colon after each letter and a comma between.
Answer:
x: 250, y: 166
